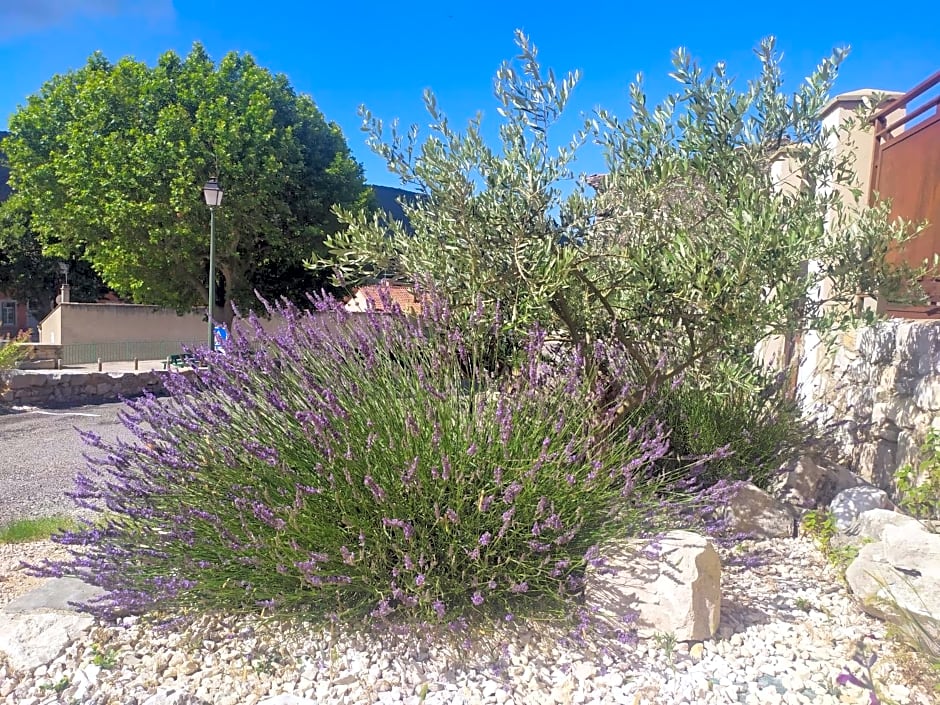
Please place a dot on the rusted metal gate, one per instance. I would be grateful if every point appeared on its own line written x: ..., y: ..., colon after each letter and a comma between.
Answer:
x: 906, y: 169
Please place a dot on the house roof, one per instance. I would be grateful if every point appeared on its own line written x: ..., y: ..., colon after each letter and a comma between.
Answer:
x: 373, y: 293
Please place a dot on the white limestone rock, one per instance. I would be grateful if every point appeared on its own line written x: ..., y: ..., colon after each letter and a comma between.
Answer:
x: 676, y: 592
x: 852, y: 502
x: 809, y: 484
x: 871, y: 525
x: 898, y: 578
x: 757, y: 514
x: 33, y: 639
x: 173, y: 696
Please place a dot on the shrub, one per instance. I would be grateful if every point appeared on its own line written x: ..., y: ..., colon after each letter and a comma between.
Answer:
x: 353, y: 465
x: 10, y: 354
x: 753, y: 420
x: 919, y: 486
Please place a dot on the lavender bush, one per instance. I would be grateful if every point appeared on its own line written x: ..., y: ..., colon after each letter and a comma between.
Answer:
x: 352, y: 465
x: 755, y: 420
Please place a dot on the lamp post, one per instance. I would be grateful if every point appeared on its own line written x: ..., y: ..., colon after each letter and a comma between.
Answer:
x: 213, y: 194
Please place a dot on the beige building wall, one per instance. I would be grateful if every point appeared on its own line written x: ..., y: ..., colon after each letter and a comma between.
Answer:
x: 850, y: 139
x: 76, y: 323
x: 854, y: 140
x: 50, y: 329
x: 81, y: 323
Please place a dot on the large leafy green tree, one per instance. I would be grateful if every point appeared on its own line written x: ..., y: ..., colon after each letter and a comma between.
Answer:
x: 27, y: 274
x: 109, y: 161
x: 691, y: 249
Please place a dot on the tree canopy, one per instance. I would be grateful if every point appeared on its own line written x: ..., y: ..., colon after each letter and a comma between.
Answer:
x: 27, y: 274
x: 692, y: 248
x: 109, y: 162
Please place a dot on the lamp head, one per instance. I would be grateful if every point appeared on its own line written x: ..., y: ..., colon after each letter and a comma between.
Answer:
x: 212, y: 192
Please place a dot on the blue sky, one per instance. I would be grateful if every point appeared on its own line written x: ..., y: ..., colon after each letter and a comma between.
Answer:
x: 385, y: 54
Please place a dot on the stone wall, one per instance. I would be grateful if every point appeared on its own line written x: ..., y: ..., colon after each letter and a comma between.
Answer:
x: 39, y: 356
x: 69, y: 387
x: 878, y: 395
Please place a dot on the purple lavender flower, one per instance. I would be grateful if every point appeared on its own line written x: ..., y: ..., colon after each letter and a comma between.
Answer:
x: 406, y: 528
x: 847, y: 677
x: 504, y: 419
x: 304, y: 398
x: 374, y: 487
x: 410, y: 471
x: 511, y: 492
x: 445, y: 468
x: 383, y: 609
x: 261, y: 452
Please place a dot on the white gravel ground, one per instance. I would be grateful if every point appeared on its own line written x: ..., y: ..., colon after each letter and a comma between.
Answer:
x: 788, y: 629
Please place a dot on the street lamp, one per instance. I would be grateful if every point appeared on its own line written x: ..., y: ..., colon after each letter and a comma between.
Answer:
x: 213, y: 194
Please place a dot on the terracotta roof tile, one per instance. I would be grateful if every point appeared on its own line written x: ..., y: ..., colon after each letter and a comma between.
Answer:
x: 400, y: 295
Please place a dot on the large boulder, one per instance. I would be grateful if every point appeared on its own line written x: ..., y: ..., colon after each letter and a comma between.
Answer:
x: 809, y: 485
x: 849, y: 504
x: 898, y: 578
x: 870, y: 525
x: 675, y: 588
x: 38, y: 626
x: 756, y: 514
x: 59, y: 594
x: 33, y: 639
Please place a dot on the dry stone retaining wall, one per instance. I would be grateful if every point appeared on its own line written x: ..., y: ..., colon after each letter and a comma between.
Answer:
x: 66, y: 387
x: 878, y: 396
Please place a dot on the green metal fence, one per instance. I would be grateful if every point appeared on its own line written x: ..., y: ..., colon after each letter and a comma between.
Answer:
x: 118, y: 352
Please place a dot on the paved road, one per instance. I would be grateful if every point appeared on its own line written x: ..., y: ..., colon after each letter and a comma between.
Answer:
x: 40, y: 452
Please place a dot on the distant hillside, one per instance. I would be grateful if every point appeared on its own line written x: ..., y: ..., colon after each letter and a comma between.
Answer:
x: 4, y: 173
x: 387, y: 197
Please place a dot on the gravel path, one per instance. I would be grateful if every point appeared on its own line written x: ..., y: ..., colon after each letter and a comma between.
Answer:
x: 788, y: 629
x: 42, y: 452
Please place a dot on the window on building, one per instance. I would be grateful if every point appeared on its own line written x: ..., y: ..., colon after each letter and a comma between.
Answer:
x: 8, y: 313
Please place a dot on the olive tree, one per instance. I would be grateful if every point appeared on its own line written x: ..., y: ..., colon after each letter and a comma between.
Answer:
x: 688, y: 251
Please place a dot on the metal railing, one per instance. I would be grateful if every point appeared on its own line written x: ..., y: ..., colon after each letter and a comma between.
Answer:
x: 906, y: 169
x: 84, y: 353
